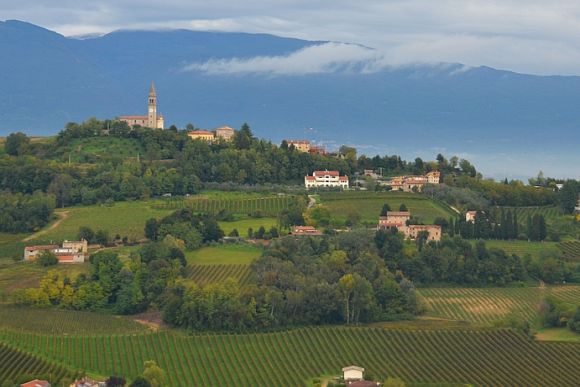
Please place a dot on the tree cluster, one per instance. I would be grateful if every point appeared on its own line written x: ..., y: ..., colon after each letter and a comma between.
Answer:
x: 300, y: 280
x: 25, y: 212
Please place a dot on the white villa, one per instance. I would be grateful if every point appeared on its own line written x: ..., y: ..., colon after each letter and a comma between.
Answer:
x: 323, y: 179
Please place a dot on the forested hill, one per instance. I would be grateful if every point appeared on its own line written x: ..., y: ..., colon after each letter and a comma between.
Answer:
x: 48, y: 80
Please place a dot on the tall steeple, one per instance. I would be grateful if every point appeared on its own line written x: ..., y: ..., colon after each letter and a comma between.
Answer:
x: 152, y: 107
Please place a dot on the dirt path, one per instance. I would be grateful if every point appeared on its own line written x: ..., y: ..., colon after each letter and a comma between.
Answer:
x: 311, y: 201
x: 62, y: 215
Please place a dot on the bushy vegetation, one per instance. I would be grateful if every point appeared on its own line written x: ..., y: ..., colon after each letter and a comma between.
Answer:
x: 25, y: 212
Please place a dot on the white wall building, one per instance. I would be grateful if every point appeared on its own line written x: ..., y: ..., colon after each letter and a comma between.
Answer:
x: 326, y: 179
x: 353, y: 373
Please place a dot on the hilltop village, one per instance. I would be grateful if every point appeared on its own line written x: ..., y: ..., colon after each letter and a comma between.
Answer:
x: 136, y: 254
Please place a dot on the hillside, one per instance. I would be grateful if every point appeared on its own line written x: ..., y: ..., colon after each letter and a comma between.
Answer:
x: 51, y: 80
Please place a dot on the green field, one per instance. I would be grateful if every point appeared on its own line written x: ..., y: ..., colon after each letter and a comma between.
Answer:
x: 571, y: 250
x: 290, y: 358
x: 17, y: 367
x: 123, y: 218
x: 521, y: 248
x: 231, y: 254
x: 558, y: 334
x: 549, y: 213
x: 369, y: 204
x: 65, y: 322
x: 216, y: 274
x: 486, y: 305
x: 242, y: 225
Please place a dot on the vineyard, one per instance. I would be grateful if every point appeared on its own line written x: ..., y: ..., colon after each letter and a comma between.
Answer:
x: 486, y: 305
x: 478, y: 357
x: 571, y: 250
x: 210, y: 274
x: 524, y: 212
x: 16, y: 365
x: 64, y: 322
x: 267, y: 205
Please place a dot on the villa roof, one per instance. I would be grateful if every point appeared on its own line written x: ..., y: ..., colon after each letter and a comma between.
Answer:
x: 133, y: 117
x: 398, y: 213
x: 41, y: 247
x: 200, y: 133
x: 326, y: 173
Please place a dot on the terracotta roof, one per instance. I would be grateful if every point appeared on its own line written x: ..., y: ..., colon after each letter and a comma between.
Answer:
x: 424, y: 226
x: 41, y: 247
x: 343, y: 178
x: 133, y: 117
x: 310, y: 178
x: 36, y: 383
x: 325, y: 173
x: 363, y: 383
x: 298, y: 141
x: 200, y: 133
x: 398, y: 213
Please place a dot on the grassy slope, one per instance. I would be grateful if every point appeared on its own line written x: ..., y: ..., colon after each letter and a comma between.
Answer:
x: 369, y: 205
x: 521, y: 248
x: 242, y: 225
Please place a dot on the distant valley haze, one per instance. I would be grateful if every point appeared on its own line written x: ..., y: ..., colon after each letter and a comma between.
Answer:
x: 509, y: 124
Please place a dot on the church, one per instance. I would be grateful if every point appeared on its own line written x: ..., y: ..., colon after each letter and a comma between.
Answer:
x: 152, y: 119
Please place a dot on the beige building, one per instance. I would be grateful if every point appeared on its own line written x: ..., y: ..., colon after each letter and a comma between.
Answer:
x: 225, y: 132
x: 470, y: 216
x: 152, y: 119
x: 300, y: 145
x: 399, y: 219
x: 326, y: 179
x: 81, y: 246
x: 433, y: 177
x: 70, y: 252
x: 31, y: 253
x: 204, y: 135
x: 414, y: 183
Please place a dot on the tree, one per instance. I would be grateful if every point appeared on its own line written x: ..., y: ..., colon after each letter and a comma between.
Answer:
x: 115, y: 381
x: 140, y: 381
x: 61, y: 187
x: 154, y: 374
x: 569, y: 196
x: 16, y: 144
x: 243, y: 138
x: 47, y: 258
x: 403, y: 208
x: 151, y: 229
x: 86, y: 233
x: 102, y: 237
x: 234, y: 233
x: 393, y: 382
x: 386, y: 208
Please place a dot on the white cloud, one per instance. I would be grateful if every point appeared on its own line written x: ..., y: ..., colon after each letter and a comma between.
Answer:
x: 322, y: 58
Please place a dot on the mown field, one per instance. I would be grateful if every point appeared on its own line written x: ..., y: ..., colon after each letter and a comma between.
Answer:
x: 17, y: 367
x: 522, y: 248
x: 486, y: 305
x: 219, y: 273
x: 369, y: 204
x: 477, y: 357
x: 65, y: 322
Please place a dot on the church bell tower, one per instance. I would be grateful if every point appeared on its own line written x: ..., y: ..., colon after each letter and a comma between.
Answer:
x: 152, y: 108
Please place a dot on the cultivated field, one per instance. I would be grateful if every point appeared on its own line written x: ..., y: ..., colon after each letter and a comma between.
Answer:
x: 486, y: 305
x: 233, y: 254
x: 369, y: 204
x: 478, y: 357
x: 571, y: 250
x: 549, y: 213
x: 64, y: 322
x: 214, y: 274
x: 242, y: 225
x: 268, y: 205
x: 16, y: 365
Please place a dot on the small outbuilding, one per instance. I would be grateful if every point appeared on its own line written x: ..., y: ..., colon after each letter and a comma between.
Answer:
x: 353, y: 373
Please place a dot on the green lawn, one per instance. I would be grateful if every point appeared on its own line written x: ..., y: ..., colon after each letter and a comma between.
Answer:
x: 224, y: 254
x: 369, y: 204
x: 123, y: 218
x: 557, y: 334
x: 243, y: 225
x: 521, y: 248
x: 102, y: 148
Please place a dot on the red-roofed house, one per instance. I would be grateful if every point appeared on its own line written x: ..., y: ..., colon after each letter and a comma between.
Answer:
x: 305, y: 230
x: 320, y: 179
x: 300, y: 145
x: 470, y: 216
x: 36, y: 383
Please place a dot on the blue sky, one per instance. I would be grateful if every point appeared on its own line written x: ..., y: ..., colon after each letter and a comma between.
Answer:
x: 529, y: 36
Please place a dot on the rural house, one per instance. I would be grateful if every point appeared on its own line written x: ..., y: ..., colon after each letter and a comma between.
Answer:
x: 353, y: 373
x: 305, y: 230
x: 326, y: 179
x: 400, y: 219
x: 70, y: 252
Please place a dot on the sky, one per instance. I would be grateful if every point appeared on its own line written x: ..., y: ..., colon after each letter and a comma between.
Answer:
x: 528, y: 36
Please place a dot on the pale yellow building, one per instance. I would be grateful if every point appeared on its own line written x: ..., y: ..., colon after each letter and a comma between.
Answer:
x: 152, y: 119
x: 300, y: 145
x: 225, y: 132
x: 204, y: 135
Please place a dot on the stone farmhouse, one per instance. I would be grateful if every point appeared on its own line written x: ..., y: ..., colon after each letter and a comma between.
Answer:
x: 70, y: 252
x: 87, y: 382
x: 400, y: 219
x: 326, y: 179
x: 300, y: 145
x: 414, y: 183
x: 225, y: 132
x: 152, y: 119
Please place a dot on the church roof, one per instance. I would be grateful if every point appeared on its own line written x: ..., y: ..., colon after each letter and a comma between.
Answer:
x: 152, y: 89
